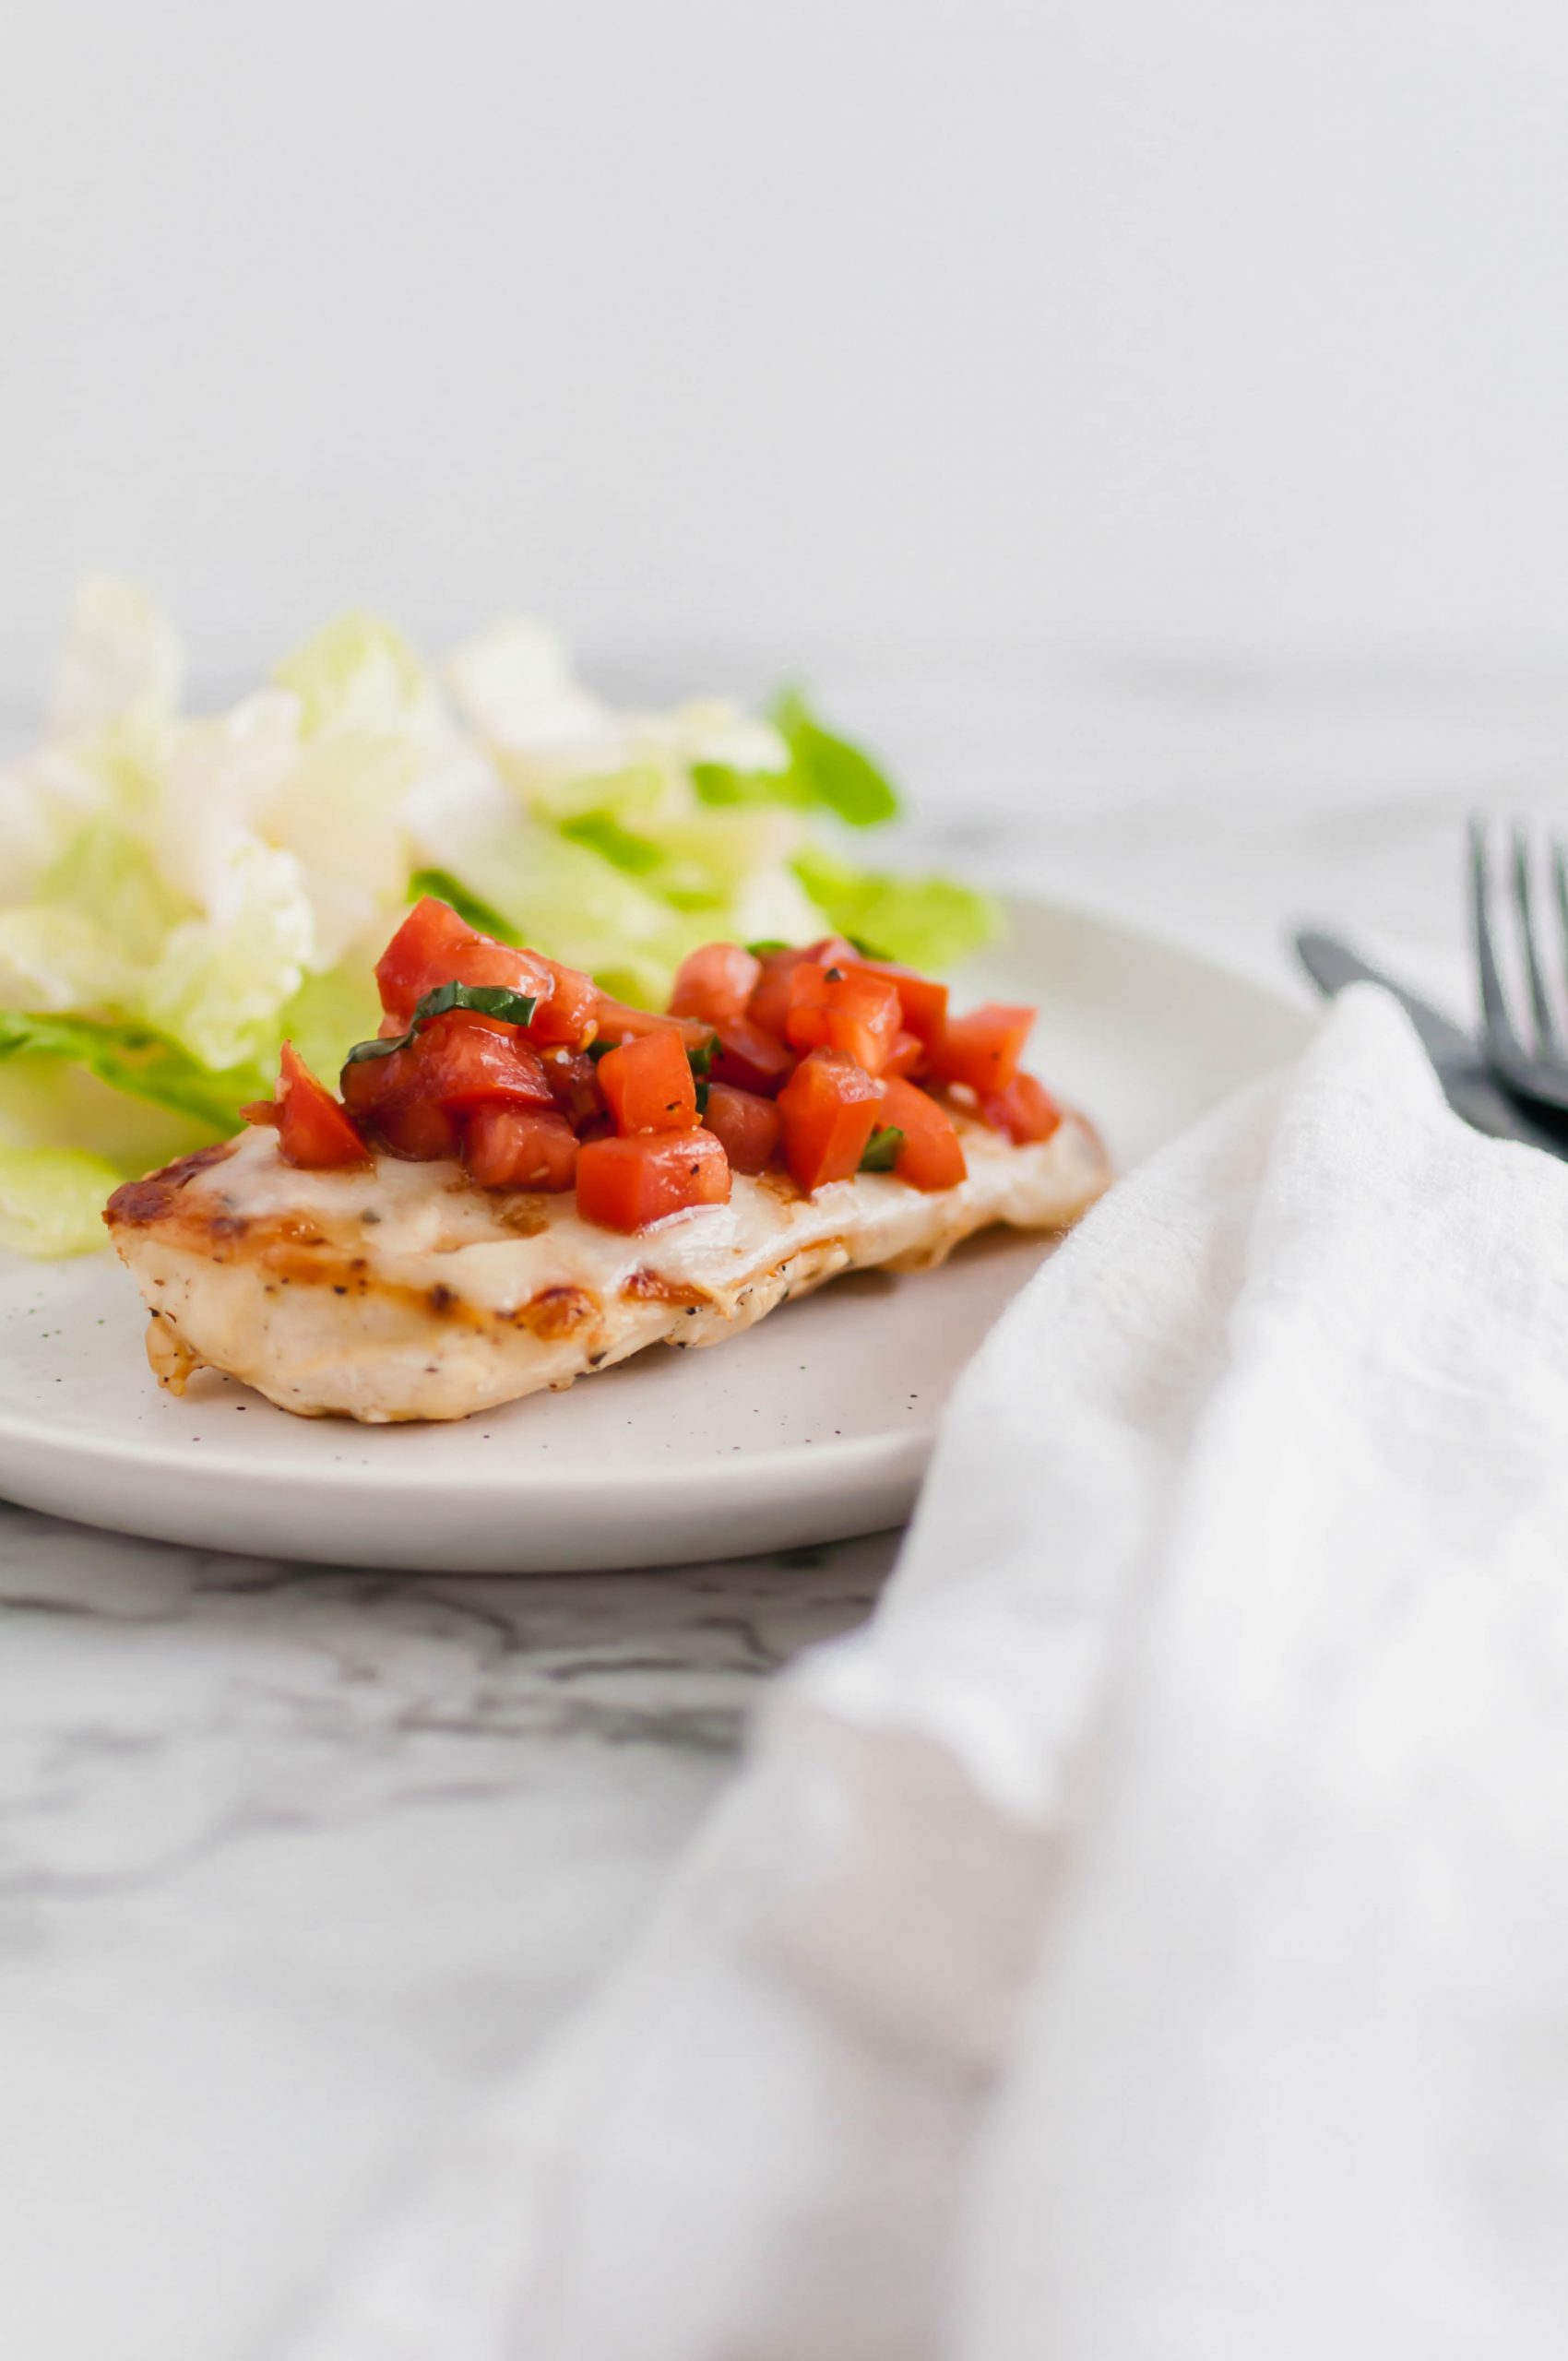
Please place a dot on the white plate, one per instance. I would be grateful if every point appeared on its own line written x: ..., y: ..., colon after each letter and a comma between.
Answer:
x: 815, y: 1425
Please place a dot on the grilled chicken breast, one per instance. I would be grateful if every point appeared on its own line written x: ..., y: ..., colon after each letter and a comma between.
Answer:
x: 401, y: 1290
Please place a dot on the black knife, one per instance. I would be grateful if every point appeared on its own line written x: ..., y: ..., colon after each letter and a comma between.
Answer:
x: 1466, y: 1081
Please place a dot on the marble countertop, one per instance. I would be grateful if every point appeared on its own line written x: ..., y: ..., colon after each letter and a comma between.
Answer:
x: 293, y: 1862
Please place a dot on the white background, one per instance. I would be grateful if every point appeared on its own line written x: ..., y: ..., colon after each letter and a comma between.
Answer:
x: 703, y: 324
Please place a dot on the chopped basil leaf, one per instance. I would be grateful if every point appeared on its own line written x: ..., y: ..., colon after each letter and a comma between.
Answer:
x: 488, y: 1000
x: 703, y: 1089
x: 766, y: 949
x: 602, y: 1049
x: 470, y: 908
x: 882, y: 1148
x: 700, y: 1060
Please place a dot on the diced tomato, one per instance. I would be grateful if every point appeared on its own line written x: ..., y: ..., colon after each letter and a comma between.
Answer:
x: 433, y: 946
x: 518, y: 1148
x: 828, y: 1108
x: 462, y: 1060
x: 924, y: 1004
x: 314, y: 1130
x: 751, y: 1059
x: 983, y: 1049
x: 769, y: 1003
x: 931, y: 1154
x: 1025, y: 1111
x: 833, y: 950
x: 649, y: 1086
x: 907, y: 1056
x: 831, y: 1009
x: 747, y: 1125
x: 573, y: 1085
x: 568, y: 1016
x: 418, y: 1128
x: 715, y: 983
x: 626, y: 1183
x: 618, y: 1023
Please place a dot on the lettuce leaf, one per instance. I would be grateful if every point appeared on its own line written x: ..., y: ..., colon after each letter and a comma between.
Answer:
x: 135, y: 1059
x: 51, y: 1200
x: 928, y: 922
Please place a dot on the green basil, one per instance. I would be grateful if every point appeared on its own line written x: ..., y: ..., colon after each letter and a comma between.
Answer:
x: 882, y: 1148
x: 486, y: 1000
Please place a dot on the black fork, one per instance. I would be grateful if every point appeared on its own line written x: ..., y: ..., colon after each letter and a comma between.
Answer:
x: 1532, y: 1060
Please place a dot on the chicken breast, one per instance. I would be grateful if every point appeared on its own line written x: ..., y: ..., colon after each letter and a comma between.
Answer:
x: 402, y: 1290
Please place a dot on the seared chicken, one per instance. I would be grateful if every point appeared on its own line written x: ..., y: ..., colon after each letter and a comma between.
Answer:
x: 400, y: 1290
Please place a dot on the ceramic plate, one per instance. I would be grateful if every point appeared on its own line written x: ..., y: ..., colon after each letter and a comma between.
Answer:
x: 814, y: 1425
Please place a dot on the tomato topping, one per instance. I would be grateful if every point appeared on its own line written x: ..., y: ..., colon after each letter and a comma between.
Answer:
x: 907, y: 1056
x: 983, y: 1049
x: 747, y: 1125
x: 715, y: 983
x: 418, y: 1128
x: 433, y: 946
x: 649, y: 1086
x: 931, y: 1154
x: 924, y: 1004
x: 829, y: 1109
x: 518, y: 1148
x: 769, y: 1003
x: 831, y: 1009
x: 626, y: 1183
x: 573, y: 1085
x: 462, y: 1060
x: 1025, y: 1111
x: 617, y: 1021
x: 569, y: 1015
x: 314, y: 1130
x: 752, y: 1060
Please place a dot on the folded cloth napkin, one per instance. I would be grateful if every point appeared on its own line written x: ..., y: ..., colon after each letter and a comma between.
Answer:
x: 1147, y: 1941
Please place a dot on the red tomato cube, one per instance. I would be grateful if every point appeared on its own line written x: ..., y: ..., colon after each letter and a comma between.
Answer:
x: 907, y: 1056
x: 931, y: 1154
x: 747, y: 1125
x: 462, y: 1060
x: 518, y: 1148
x: 574, y: 1085
x: 1025, y: 1111
x: 314, y: 1130
x: 751, y: 1059
x: 626, y: 1183
x: 855, y: 1015
x: 568, y: 1016
x: 715, y: 983
x: 769, y: 1003
x: 923, y: 1002
x: 649, y: 1086
x: 433, y: 946
x: 828, y: 1108
x: 983, y: 1049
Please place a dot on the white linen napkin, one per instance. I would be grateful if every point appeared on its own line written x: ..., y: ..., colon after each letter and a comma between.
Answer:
x: 1147, y: 1941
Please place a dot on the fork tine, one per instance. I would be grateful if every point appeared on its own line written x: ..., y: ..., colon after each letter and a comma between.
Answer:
x: 1523, y: 896
x: 1560, y: 883
x: 1494, y: 1007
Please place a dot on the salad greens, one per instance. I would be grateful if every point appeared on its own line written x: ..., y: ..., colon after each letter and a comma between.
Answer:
x: 181, y: 893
